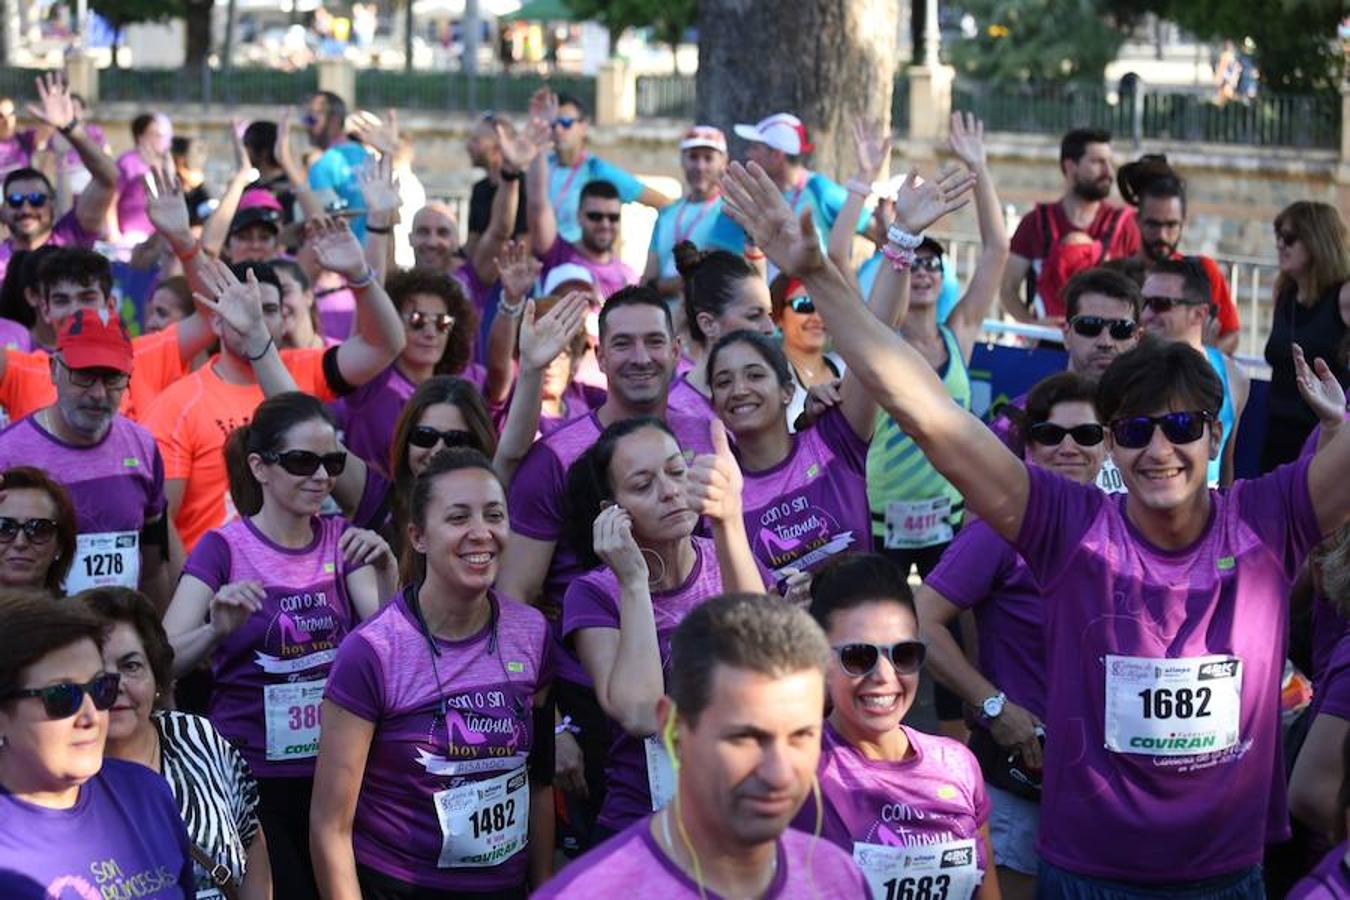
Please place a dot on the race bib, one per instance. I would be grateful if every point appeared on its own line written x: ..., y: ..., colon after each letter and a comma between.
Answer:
x: 111, y: 558
x: 934, y: 872
x: 484, y: 823
x: 660, y: 772
x: 1172, y: 707
x: 918, y: 523
x: 291, y: 712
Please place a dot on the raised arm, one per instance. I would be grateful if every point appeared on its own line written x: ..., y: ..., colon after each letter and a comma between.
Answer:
x: 377, y: 337
x: 517, y: 154
x: 1327, y: 484
x: 309, y: 204
x: 1010, y: 294
x: 540, y: 217
x: 992, y: 480
x: 56, y: 109
x: 518, y: 269
x: 166, y: 207
x: 966, y: 320
x: 379, y: 187
x: 873, y: 147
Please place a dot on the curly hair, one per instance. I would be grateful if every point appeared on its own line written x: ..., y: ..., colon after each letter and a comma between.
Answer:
x: 403, y: 285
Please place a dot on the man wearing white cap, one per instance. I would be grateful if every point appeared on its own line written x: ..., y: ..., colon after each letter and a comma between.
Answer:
x: 698, y: 216
x: 778, y: 144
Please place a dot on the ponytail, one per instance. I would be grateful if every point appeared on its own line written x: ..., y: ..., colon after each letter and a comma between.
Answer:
x: 245, y: 490
x: 711, y: 281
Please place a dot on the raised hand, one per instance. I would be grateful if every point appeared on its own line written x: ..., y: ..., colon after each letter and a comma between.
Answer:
x: 371, y: 131
x: 544, y: 105
x: 541, y: 341
x: 519, y: 151
x: 380, y: 188
x: 166, y: 206
x: 873, y: 146
x: 752, y: 199
x: 919, y: 203
x: 518, y: 269
x: 239, y: 304
x: 612, y: 536
x: 233, y: 604
x: 1319, y: 388
x: 282, y: 149
x: 237, y: 128
x: 967, y: 139
x: 714, y: 479
x: 335, y: 247
x: 55, y: 108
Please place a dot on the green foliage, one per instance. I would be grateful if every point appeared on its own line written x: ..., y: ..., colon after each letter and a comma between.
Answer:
x: 1040, y: 40
x: 668, y: 19
x: 121, y: 13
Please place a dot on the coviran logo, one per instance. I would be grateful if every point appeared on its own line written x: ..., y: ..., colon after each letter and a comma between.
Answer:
x: 1200, y: 742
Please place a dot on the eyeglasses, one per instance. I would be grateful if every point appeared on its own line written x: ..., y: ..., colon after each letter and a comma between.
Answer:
x: 35, y: 199
x: 594, y: 216
x: 927, y: 264
x: 1091, y: 326
x: 1288, y: 238
x: 426, y: 437
x: 417, y: 320
x: 802, y: 305
x: 564, y: 121
x: 1178, y: 427
x: 87, y: 378
x: 860, y: 660
x: 1165, y: 304
x: 1048, y: 434
x: 61, y: 701
x: 38, y: 531
x: 305, y: 463
x: 309, y: 120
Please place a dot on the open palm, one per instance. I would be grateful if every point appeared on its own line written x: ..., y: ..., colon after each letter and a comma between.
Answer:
x: 756, y: 204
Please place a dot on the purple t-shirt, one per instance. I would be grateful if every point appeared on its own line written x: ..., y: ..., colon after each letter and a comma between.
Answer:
x: 384, y: 673
x: 981, y: 571
x: 593, y: 601
x: 66, y: 232
x: 1332, y: 694
x: 16, y: 152
x: 609, y: 277
x: 13, y: 336
x: 132, y: 196
x: 807, y: 869
x: 537, y: 505
x: 933, y: 796
x: 1160, y: 632
x: 685, y: 399
x: 1328, y: 629
x: 1329, y: 881
x: 269, y: 673
x: 122, y: 838
x: 813, y: 504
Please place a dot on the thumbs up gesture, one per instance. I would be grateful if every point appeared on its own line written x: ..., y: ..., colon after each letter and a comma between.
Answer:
x: 715, y: 478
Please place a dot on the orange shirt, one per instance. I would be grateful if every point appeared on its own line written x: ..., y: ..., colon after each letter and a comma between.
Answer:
x: 190, y: 421
x: 27, y: 385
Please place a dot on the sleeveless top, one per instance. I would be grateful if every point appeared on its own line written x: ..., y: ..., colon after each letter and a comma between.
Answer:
x: 1319, y: 330
x: 1227, y: 413
x: 897, y: 470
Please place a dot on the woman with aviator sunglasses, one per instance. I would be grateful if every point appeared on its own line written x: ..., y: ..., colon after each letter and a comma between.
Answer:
x: 804, y: 340
x: 71, y: 822
x: 37, y: 530
x: 268, y: 598
x: 887, y: 789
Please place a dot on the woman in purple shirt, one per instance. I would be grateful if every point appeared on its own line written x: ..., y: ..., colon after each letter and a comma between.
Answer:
x: 981, y: 572
x: 1165, y: 610
x: 37, y: 530
x: 436, y: 764
x: 267, y: 598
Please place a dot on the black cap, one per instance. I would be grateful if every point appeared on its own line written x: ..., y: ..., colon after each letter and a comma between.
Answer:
x: 255, y: 215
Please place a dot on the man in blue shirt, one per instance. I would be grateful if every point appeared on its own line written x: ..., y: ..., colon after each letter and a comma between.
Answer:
x: 325, y: 119
x: 778, y: 144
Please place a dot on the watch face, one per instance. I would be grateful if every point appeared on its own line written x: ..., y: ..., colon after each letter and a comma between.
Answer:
x: 993, y: 706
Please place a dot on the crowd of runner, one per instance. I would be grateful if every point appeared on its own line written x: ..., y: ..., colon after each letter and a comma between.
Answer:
x: 343, y: 558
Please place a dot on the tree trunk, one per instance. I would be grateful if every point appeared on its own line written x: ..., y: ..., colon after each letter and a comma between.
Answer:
x: 826, y: 61
x: 198, y: 22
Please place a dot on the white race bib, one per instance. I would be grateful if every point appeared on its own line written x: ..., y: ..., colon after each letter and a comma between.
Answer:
x: 918, y: 523
x: 484, y: 823
x: 1172, y: 707
x: 933, y: 872
x: 291, y: 712
x: 110, y: 558
x: 660, y: 772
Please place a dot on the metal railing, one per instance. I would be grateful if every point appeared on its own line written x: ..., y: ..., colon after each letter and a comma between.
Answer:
x: 667, y: 97
x: 457, y: 92
x: 241, y: 85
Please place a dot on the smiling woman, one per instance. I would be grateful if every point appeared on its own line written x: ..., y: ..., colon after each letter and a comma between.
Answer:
x: 37, y: 530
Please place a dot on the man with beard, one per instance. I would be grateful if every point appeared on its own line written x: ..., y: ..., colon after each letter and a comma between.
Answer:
x: 1076, y: 232
x: 599, y: 211
x: 338, y: 168
x: 1159, y: 194
x: 485, y: 152
x: 108, y: 463
x: 29, y: 210
x: 698, y: 216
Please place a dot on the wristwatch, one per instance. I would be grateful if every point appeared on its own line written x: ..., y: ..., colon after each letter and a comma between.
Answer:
x: 992, y: 707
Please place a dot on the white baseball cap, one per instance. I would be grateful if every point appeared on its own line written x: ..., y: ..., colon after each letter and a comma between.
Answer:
x: 565, y: 273
x: 704, y: 136
x: 781, y: 131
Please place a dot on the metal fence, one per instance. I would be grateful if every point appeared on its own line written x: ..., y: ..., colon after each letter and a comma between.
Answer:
x: 667, y: 97
x: 19, y: 84
x: 457, y: 92
x: 247, y: 86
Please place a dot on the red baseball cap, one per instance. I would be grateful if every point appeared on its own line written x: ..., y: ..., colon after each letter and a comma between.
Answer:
x: 95, y: 339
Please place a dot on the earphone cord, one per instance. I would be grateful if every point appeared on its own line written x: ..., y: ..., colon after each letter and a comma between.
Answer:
x: 415, y: 605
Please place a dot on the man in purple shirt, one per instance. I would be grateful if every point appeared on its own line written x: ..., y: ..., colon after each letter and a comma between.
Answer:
x: 1164, y: 608
x: 29, y: 210
x: 742, y: 724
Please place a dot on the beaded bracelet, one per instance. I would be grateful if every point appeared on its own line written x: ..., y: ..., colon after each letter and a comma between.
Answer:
x: 566, y: 725
x: 903, y: 239
x: 900, y: 258
x: 364, y: 281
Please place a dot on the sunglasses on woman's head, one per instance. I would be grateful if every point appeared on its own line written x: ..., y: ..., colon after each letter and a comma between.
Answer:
x: 304, y: 463
x: 61, y: 701
x: 426, y: 437
x: 1047, y: 434
x: 417, y: 320
x: 802, y: 305
x: 1091, y: 326
x: 35, y: 199
x: 38, y: 531
x: 1135, y: 432
x: 859, y: 660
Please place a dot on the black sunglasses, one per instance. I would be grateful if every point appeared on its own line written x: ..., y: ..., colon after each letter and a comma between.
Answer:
x: 61, y: 701
x: 927, y: 264
x: 1091, y: 326
x: 38, y: 531
x: 426, y: 437
x: 1165, y: 304
x: 35, y: 199
x: 859, y: 660
x: 802, y: 305
x: 603, y: 217
x: 417, y: 320
x: 305, y: 463
x: 1288, y: 238
x: 1088, y: 434
x: 1178, y: 427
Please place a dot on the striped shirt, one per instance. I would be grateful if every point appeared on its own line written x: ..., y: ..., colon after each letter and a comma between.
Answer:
x: 215, y: 791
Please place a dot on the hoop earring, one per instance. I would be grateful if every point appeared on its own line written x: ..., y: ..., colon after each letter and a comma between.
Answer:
x: 653, y: 580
